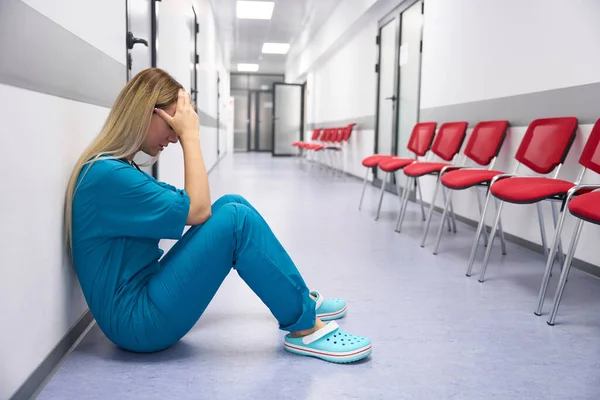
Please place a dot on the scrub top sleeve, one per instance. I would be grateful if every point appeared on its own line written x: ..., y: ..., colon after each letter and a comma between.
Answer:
x: 130, y: 204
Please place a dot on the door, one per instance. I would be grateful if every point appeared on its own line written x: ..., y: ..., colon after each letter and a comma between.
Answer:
x: 240, y: 120
x: 399, y: 75
x: 260, y: 114
x: 387, y: 86
x: 139, y: 43
x: 410, y: 75
x: 287, y: 117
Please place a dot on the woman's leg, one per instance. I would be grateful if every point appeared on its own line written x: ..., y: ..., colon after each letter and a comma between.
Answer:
x: 236, y: 236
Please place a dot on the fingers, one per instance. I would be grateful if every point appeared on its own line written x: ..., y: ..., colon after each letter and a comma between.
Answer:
x: 166, y: 117
x: 181, y: 99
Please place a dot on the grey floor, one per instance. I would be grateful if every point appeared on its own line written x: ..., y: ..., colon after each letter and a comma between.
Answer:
x: 436, y: 334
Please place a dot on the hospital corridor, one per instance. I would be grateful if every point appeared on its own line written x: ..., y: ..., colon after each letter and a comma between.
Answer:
x: 300, y: 199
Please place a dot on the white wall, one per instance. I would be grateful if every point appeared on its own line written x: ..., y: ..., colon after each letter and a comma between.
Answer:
x: 40, y: 297
x: 88, y: 20
x: 472, y: 51
x: 476, y: 50
x: 174, y: 56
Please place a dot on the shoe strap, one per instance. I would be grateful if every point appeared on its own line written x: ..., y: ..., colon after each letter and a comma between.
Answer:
x: 326, y: 330
x: 319, y: 299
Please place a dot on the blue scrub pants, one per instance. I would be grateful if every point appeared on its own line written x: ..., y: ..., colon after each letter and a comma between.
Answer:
x: 235, y: 236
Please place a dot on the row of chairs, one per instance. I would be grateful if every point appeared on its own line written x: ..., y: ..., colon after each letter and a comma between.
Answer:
x: 325, y: 145
x: 543, y: 150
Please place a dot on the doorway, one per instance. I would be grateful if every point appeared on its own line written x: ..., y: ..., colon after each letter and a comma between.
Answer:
x: 260, y: 114
x: 399, y: 81
x: 253, y: 111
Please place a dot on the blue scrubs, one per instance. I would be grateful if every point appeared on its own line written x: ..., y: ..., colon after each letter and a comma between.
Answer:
x: 144, y: 303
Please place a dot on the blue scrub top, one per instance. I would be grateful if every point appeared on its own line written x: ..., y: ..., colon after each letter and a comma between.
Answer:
x: 119, y: 216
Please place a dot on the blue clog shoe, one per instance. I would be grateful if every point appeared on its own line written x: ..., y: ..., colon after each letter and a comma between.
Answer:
x: 329, y: 309
x: 330, y: 343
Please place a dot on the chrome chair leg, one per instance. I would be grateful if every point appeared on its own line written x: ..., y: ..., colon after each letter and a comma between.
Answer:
x: 542, y: 228
x: 363, y: 189
x: 431, y: 207
x: 480, y: 227
x: 421, y: 199
x: 488, y: 251
x: 561, y: 255
x: 406, y: 193
x: 550, y: 263
x: 479, y: 205
x: 381, y: 192
x: 441, y: 228
x: 565, y: 271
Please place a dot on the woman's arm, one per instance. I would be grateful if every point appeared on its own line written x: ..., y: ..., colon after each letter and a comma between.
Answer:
x: 185, y: 123
x: 196, y: 181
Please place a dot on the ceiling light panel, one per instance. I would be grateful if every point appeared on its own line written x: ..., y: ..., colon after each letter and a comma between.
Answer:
x: 275, y: 48
x: 254, y: 9
x: 247, y: 67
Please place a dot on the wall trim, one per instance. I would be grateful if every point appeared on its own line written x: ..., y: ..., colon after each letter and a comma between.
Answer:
x: 579, y: 101
x: 48, y: 367
x: 366, y: 122
x: 208, y: 121
x: 40, y: 55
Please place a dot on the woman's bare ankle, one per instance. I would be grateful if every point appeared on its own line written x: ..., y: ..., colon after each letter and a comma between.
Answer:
x: 318, y: 325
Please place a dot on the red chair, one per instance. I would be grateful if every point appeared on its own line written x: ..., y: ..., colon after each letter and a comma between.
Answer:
x: 543, y: 149
x: 372, y: 162
x: 583, y: 205
x: 447, y: 144
x: 419, y: 143
x: 483, y: 147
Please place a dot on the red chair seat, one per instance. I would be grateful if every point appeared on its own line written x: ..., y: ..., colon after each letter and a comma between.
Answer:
x: 395, y: 163
x: 374, y: 160
x: 466, y: 178
x: 318, y: 147
x: 529, y: 190
x: 423, y: 168
x: 586, y: 207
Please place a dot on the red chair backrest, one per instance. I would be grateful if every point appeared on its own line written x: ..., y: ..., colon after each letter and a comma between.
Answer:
x: 348, y: 132
x: 590, y: 156
x: 315, y: 134
x: 485, y: 141
x: 340, y: 135
x: 421, y: 138
x: 547, y: 143
x: 325, y: 135
x: 449, y: 139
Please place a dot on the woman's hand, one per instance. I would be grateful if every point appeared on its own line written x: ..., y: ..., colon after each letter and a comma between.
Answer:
x: 185, y: 122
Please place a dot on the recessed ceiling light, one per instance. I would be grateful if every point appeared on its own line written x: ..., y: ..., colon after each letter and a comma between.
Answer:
x: 255, y: 9
x: 247, y: 67
x: 275, y: 48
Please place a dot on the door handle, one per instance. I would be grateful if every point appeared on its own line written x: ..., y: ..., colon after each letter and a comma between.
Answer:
x: 393, y: 98
x: 132, y: 41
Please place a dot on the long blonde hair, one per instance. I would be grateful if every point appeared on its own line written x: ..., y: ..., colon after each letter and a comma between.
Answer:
x: 125, y: 128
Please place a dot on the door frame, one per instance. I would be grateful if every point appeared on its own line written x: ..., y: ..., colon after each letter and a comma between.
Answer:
x: 394, y: 15
x: 275, y: 108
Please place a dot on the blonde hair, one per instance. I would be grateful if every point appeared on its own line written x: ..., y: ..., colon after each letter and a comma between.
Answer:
x: 125, y: 128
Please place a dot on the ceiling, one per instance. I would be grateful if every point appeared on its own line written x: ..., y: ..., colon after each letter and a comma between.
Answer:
x: 243, y: 38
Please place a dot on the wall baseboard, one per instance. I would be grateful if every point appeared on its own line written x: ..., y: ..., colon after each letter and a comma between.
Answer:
x: 48, y: 367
